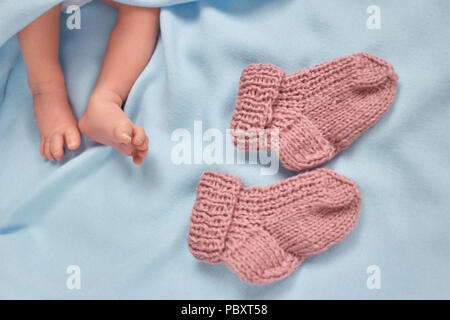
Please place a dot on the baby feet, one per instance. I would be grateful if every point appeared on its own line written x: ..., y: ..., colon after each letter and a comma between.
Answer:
x: 105, y: 122
x: 56, y: 124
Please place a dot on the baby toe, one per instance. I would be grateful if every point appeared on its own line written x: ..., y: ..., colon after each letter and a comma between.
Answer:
x: 142, y: 153
x: 123, y: 132
x: 144, y: 145
x: 72, y: 138
x: 42, y: 149
x: 47, y: 151
x: 57, y: 146
x: 139, y: 135
x: 138, y: 157
x: 126, y: 149
x: 138, y: 160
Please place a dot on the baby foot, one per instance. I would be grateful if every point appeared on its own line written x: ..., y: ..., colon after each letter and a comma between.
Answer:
x: 105, y: 122
x: 56, y: 124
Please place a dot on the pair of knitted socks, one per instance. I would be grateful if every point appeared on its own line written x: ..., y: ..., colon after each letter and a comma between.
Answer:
x: 264, y: 233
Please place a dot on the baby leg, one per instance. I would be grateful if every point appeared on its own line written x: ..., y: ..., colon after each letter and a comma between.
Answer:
x: 129, y: 49
x: 39, y: 42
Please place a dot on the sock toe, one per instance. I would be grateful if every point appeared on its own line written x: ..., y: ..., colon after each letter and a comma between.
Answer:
x: 337, y: 190
x: 372, y: 72
x: 335, y: 217
x: 312, y: 224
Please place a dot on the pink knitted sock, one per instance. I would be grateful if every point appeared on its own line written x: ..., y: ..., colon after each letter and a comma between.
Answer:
x: 317, y: 111
x: 264, y: 233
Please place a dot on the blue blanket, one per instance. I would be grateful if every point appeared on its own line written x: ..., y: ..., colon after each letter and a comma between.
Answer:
x: 125, y: 226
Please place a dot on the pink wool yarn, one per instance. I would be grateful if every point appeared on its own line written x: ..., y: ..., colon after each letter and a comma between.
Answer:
x: 318, y: 111
x: 264, y: 233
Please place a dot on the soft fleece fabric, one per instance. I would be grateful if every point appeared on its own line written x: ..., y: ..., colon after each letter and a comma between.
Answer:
x: 126, y: 226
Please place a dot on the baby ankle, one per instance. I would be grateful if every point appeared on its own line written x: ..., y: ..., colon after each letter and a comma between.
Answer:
x: 106, y: 94
x: 48, y: 86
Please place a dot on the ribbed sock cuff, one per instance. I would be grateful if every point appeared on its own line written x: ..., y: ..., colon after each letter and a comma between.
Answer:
x: 217, y: 194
